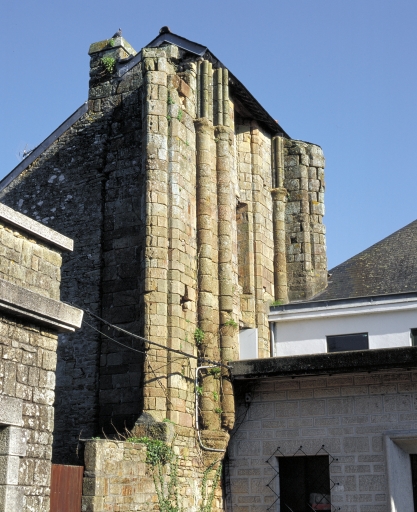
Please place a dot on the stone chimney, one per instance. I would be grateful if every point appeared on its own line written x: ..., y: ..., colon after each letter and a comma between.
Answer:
x: 105, y: 55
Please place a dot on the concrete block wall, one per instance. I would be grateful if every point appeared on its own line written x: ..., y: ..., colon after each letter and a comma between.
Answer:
x: 348, y: 414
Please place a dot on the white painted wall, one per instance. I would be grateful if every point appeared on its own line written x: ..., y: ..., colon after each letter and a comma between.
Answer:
x: 304, y: 331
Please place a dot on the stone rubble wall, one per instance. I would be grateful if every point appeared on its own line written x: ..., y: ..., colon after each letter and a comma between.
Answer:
x: 115, y: 477
x: 98, y: 198
x: 347, y: 414
x: 69, y: 171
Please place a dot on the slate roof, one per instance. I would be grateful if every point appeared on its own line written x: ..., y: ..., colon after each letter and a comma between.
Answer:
x: 389, y: 266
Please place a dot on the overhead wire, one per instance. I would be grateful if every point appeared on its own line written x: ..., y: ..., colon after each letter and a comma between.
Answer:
x: 145, y: 340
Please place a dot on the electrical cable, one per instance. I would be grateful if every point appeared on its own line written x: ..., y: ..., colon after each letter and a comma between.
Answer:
x: 141, y: 338
x: 112, y: 339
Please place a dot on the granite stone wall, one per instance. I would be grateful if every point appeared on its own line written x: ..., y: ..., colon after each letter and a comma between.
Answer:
x: 348, y: 415
x: 28, y: 263
x: 27, y: 382
x: 30, y: 317
x: 305, y: 231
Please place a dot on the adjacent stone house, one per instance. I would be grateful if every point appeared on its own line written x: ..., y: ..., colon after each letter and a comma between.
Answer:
x: 31, y: 316
x: 330, y: 422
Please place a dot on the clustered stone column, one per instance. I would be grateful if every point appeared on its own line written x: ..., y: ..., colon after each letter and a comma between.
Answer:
x: 279, y: 196
x: 215, y: 242
x: 155, y: 145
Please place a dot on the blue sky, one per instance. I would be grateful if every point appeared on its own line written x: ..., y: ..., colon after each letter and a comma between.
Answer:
x: 341, y: 74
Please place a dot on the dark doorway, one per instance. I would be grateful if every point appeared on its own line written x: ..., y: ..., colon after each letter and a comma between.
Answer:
x: 304, y: 483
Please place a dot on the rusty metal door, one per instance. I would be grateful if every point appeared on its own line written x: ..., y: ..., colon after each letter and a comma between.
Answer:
x: 66, y: 488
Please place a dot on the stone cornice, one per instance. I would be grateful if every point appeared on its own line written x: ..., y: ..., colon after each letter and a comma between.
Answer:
x: 36, y: 308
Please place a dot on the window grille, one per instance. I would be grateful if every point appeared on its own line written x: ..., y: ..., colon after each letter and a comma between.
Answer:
x: 320, y: 484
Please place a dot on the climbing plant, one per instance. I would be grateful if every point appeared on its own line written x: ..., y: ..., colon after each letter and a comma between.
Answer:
x: 207, y: 498
x: 163, y: 464
x: 164, y: 469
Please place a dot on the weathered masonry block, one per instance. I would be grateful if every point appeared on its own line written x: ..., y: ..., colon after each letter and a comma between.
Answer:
x: 31, y: 316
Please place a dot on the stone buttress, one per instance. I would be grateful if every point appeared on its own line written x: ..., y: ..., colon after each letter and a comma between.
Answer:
x: 190, y: 216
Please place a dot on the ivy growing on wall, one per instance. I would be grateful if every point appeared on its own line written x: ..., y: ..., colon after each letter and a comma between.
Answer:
x: 163, y: 465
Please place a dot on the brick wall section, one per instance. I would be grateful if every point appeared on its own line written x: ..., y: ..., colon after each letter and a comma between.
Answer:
x: 28, y: 263
x: 27, y: 372
x: 346, y: 414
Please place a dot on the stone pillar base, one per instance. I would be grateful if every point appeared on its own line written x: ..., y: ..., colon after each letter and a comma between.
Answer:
x: 146, y: 426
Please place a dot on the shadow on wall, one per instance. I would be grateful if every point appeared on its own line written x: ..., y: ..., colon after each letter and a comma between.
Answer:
x: 76, y: 187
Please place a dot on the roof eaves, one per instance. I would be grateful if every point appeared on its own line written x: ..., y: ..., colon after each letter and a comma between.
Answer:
x: 310, y: 304
x: 43, y: 146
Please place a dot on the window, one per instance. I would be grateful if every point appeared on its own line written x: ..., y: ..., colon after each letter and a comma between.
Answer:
x: 413, y: 337
x: 345, y: 342
x: 304, y: 483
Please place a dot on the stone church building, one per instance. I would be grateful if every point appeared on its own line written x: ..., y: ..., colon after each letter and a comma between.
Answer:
x: 191, y: 210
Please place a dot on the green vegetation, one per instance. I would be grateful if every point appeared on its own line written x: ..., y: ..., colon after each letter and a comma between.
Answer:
x: 215, y: 371
x: 158, y: 455
x: 108, y: 64
x: 199, y: 336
